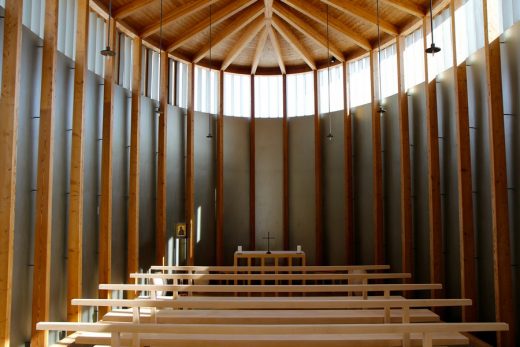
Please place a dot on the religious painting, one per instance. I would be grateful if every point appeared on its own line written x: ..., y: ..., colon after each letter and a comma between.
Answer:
x: 180, y: 230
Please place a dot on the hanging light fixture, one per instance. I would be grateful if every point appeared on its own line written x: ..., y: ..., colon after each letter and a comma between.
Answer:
x: 210, y: 135
x: 108, y: 52
x: 159, y: 109
x: 381, y: 109
x: 432, y: 49
x: 329, y: 59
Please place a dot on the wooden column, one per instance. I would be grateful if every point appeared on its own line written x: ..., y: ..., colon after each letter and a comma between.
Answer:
x: 349, y: 191
x: 434, y: 180
x: 318, y: 175
x: 43, y: 215
x: 499, y: 198
x: 285, y: 167
x: 468, y: 281
x: 133, y: 198
x: 220, y: 172
x: 160, y: 217
x: 190, y: 164
x: 377, y: 165
x: 105, y: 209
x: 9, y: 104
x: 252, y: 188
x: 75, y: 230
x: 404, y: 147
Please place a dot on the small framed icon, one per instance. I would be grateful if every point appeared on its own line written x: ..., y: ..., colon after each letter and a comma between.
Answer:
x: 180, y: 230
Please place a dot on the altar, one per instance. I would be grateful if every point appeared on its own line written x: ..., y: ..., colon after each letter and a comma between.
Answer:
x: 275, y: 258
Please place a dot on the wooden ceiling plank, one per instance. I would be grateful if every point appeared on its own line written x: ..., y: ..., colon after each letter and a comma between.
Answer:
x: 221, y: 15
x: 131, y: 7
x: 284, y: 30
x: 301, y: 25
x: 408, y: 7
x: 259, y: 49
x: 251, y: 31
x: 268, y: 4
x: 362, y: 14
x: 312, y: 12
x: 179, y: 13
x: 238, y: 24
x: 277, y: 48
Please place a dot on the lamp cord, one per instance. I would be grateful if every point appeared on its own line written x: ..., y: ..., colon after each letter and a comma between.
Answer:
x: 379, y: 53
x: 209, y: 77
x: 109, y: 18
x: 431, y: 19
x: 328, y: 71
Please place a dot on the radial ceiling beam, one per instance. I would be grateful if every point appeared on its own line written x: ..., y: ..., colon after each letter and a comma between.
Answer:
x: 268, y: 4
x: 315, y: 13
x: 277, y: 49
x: 177, y: 14
x: 131, y: 7
x: 252, y: 30
x: 221, y: 15
x: 242, y: 20
x: 307, y: 29
x: 259, y: 49
x: 284, y: 30
x: 407, y: 6
x: 362, y: 14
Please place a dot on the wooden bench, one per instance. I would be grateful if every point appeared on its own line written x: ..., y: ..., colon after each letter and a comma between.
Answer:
x: 143, y: 334
x: 259, y: 269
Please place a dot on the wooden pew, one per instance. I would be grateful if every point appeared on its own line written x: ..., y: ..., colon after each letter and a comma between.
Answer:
x: 258, y: 269
x: 142, y: 334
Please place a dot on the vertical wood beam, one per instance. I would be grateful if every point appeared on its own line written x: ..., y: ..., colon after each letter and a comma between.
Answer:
x: 190, y: 164
x: 349, y: 191
x: 43, y: 215
x: 468, y: 281
x: 285, y: 167
x: 252, y: 168
x: 434, y: 179
x: 404, y: 147
x: 377, y: 165
x: 9, y: 104
x: 220, y: 171
x: 499, y: 196
x: 318, y: 175
x: 133, y: 196
x: 160, y: 218
x: 105, y: 210
x: 75, y: 230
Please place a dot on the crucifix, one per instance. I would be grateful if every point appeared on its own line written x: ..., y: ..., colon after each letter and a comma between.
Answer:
x: 268, y: 238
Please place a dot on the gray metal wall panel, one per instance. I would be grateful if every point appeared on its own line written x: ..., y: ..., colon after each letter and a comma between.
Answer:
x: 302, y: 195
x: 390, y: 143
x: 205, y: 166
x: 363, y: 184
x: 236, y: 185
x: 147, y: 182
x: 175, y: 175
x: 269, y: 182
x: 333, y: 178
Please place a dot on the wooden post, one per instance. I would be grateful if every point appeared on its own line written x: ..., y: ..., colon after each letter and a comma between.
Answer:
x: 190, y: 164
x: 133, y: 198
x: 160, y: 218
x: 9, y: 104
x: 379, y: 257
x: 220, y: 172
x: 349, y: 191
x: 252, y: 188
x: 285, y: 167
x: 318, y: 175
x: 43, y: 215
x: 434, y: 181
x: 75, y: 230
x: 105, y: 210
x: 499, y: 198
x: 468, y: 282
x: 406, y: 180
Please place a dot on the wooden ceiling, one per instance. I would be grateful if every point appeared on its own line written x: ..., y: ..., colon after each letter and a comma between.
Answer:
x: 256, y: 36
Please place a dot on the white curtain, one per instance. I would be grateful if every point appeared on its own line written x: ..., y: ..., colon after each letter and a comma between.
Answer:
x: 510, y: 10
x: 469, y: 29
x: 268, y: 97
x: 154, y: 73
x: 96, y: 42
x: 300, y: 94
x: 359, y: 82
x: 388, y: 71
x: 34, y: 15
x: 336, y: 89
x: 125, y: 61
x: 67, y: 23
x: 237, y: 95
x: 182, y: 85
x: 443, y: 60
x: 206, y: 90
x: 414, y: 59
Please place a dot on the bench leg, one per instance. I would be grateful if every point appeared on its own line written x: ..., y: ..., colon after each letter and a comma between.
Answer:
x: 115, y: 339
x: 427, y: 340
